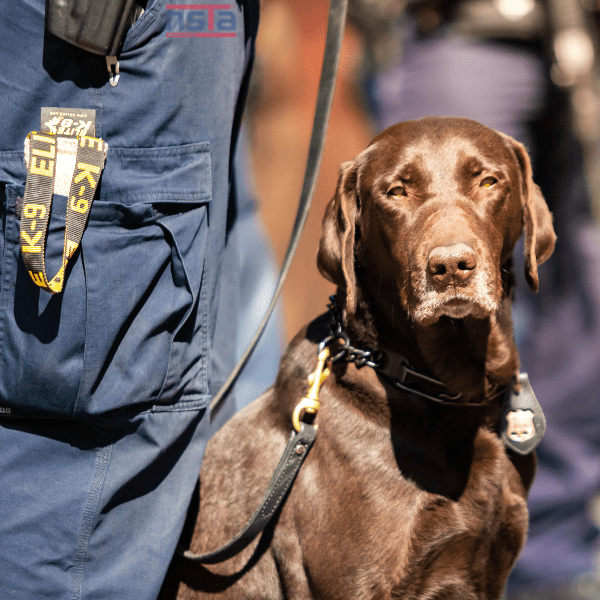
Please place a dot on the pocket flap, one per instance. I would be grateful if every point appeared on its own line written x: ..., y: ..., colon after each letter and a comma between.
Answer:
x: 165, y: 174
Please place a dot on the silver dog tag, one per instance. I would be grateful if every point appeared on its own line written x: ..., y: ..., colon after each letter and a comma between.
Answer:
x: 523, y: 423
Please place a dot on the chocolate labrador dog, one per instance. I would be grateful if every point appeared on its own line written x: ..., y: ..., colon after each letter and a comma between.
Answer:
x: 408, y: 491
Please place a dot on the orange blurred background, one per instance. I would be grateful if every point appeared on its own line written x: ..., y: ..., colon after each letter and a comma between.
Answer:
x: 290, y: 47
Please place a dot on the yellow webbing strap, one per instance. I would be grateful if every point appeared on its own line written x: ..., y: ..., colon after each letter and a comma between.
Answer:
x: 37, y: 202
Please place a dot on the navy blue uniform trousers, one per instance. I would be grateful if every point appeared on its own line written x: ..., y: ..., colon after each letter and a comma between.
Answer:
x: 104, y: 388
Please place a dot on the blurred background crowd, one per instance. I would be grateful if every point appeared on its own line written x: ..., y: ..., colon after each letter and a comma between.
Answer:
x: 529, y: 68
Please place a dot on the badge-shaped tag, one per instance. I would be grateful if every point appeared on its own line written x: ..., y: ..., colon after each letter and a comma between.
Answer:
x: 523, y: 423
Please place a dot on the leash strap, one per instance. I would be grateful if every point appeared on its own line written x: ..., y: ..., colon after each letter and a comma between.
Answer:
x: 285, y: 473
x: 37, y: 202
x: 301, y: 441
x: 331, y: 58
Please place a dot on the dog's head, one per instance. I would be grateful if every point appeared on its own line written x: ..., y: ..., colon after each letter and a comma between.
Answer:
x: 434, y: 208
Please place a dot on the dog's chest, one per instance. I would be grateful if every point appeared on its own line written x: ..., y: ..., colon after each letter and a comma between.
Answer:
x: 380, y: 535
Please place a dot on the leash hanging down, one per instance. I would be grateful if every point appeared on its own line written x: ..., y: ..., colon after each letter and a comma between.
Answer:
x: 303, y: 435
x: 300, y: 442
x: 331, y: 59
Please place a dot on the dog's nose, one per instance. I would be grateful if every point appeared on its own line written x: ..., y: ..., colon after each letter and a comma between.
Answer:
x: 452, y: 264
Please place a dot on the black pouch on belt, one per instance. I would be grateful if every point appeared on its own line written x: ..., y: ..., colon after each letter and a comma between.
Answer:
x: 98, y: 26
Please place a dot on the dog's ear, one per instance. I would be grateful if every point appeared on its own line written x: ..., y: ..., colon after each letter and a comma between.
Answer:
x: 336, y: 249
x: 537, y: 218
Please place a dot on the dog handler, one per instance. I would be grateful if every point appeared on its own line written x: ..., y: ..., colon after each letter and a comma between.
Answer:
x: 106, y: 341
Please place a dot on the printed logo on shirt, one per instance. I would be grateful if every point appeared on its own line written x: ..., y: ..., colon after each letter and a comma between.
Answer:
x: 200, y: 20
x: 5, y: 410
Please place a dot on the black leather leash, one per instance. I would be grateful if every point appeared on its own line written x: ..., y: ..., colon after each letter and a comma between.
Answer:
x: 520, y: 406
x: 331, y: 59
x: 302, y: 437
x: 285, y: 473
x: 301, y: 440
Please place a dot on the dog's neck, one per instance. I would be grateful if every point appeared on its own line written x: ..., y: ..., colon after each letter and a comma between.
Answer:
x: 472, y: 357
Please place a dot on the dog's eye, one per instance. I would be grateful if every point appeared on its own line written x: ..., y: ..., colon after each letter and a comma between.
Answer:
x: 397, y: 191
x: 488, y: 182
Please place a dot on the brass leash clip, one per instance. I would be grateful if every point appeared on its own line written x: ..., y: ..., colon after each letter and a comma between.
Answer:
x: 310, y: 403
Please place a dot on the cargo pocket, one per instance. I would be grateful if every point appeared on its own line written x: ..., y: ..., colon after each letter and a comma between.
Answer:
x: 40, y: 344
x: 106, y: 342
